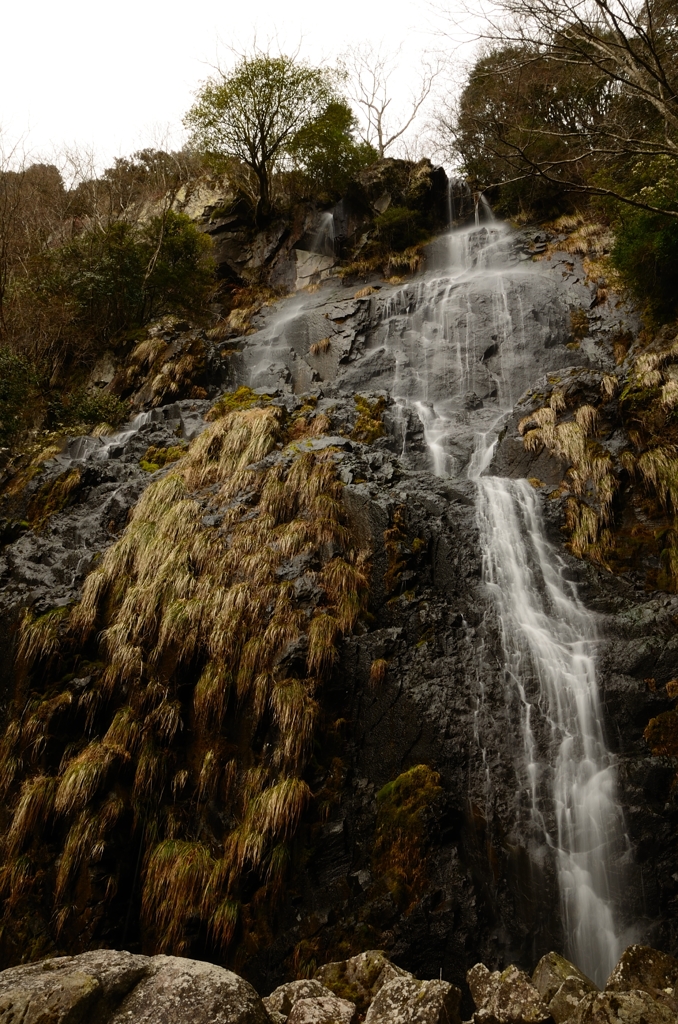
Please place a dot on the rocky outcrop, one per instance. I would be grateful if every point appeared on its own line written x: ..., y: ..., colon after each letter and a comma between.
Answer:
x: 408, y: 1001
x: 505, y: 997
x: 108, y: 987
x: 640, y: 990
x: 621, y: 1008
x: 283, y: 998
x: 361, y: 977
x: 420, y: 684
x: 561, y: 985
x: 648, y: 970
x: 323, y: 1010
x: 111, y: 987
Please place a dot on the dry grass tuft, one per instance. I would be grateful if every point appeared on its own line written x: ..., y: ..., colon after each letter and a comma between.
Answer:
x: 363, y: 293
x: 31, y: 813
x: 319, y: 348
x: 176, y: 878
x: 378, y: 670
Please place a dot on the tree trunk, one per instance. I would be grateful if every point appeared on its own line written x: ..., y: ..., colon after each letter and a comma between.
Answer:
x: 263, y: 211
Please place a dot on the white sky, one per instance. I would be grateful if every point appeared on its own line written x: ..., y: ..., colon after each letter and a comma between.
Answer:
x: 116, y: 76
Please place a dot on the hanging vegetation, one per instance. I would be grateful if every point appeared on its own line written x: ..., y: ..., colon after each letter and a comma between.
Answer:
x: 163, y: 728
x: 599, y: 485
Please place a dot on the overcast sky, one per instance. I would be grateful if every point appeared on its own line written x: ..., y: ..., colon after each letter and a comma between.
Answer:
x: 116, y: 76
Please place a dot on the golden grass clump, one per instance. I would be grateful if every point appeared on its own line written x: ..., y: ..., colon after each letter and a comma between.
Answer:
x: 31, y: 813
x: 82, y: 777
x: 363, y: 293
x: 319, y: 348
x: 378, y: 670
x: 177, y: 876
x: 590, y: 467
x: 369, y: 424
x: 208, y: 661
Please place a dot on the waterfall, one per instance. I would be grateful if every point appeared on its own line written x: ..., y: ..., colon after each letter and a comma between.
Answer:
x: 548, y: 639
x: 565, y: 774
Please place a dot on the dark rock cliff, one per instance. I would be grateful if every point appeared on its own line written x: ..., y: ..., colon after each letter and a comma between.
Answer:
x: 436, y: 870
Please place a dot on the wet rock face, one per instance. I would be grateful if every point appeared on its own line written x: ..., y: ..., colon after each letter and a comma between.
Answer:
x: 446, y: 346
x: 46, y: 566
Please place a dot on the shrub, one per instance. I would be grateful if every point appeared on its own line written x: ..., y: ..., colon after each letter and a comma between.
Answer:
x: 400, y: 228
x: 105, y: 284
x: 18, y: 389
x: 645, y: 251
x: 84, y: 406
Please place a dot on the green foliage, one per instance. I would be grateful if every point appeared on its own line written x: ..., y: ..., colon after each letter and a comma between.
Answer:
x: 107, y: 282
x: 369, y: 423
x: 326, y: 155
x: 155, y: 458
x: 646, y: 244
x: 18, y: 389
x: 253, y: 114
x: 91, y: 407
x: 400, y: 227
x: 509, y: 114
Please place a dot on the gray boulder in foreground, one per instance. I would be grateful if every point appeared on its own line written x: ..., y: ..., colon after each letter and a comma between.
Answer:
x: 408, y: 1001
x: 360, y: 977
x: 648, y: 970
x: 283, y: 998
x: 506, y: 997
x: 561, y: 985
x: 110, y: 987
x: 635, y: 1007
x: 329, y: 1009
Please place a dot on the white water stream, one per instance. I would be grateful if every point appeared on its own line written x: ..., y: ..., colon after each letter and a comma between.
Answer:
x: 566, y: 775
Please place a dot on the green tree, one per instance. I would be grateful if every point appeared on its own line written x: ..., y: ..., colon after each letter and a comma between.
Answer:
x: 519, y: 111
x: 255, y: 113
x: 626, y: 53
x: 326, y: 154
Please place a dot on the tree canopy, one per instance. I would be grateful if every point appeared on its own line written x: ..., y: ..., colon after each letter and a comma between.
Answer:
x: 274, y: 114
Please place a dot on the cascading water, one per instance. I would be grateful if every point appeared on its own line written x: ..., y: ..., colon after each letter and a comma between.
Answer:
x: 469, y: 322
x: 548, y: 641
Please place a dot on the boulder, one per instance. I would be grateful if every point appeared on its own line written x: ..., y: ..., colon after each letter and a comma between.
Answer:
x: 561, y: 985
x: 328, y: 1009
x: 506, y: 997
x: 361, y: 977
x: 405, y: 1000
x: 634, y: 1007
x: 567, y: 998
x: 649, y: 970
x: 69, y: 989
x: 183, y: 991
x: 283, y: 998
x: 550, y: 973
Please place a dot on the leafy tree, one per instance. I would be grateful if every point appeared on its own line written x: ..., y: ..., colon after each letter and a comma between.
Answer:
x: 255, y: 114
x: 626, y: 54
x: 326, y: 154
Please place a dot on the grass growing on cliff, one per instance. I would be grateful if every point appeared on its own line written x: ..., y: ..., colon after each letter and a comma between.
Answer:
x: 643, y: 476
x: 200, y: 713
x: 406, y: 809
